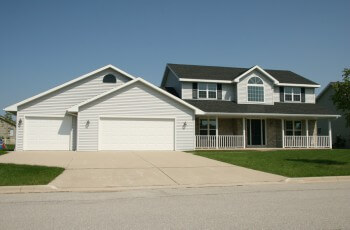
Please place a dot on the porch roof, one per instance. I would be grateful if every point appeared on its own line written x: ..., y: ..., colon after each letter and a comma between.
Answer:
x: 307, y: 109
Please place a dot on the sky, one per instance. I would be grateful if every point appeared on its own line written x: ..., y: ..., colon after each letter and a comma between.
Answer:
x: 46, y: 43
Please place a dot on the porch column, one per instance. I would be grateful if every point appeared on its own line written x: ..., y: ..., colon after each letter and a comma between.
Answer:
x: 243, y: 131
x: 307, y: 132
x: 282, y: 133
x: 217, y: 133
x: 330, y: 133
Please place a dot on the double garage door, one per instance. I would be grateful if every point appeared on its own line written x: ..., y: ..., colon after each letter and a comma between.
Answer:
x: 136, y: 134
x: 55, y: 133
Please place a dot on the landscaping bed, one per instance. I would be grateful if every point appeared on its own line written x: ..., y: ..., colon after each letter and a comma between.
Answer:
x: 289, y: 163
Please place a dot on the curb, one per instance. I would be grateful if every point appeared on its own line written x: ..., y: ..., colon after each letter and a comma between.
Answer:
x: 302, y: 180
x: 51, y: 188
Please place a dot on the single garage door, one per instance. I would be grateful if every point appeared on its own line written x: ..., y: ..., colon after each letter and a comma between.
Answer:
x: 47, y: 133
x: 136, y: 134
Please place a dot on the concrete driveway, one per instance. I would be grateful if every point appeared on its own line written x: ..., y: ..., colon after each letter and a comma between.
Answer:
x: 138, y: 169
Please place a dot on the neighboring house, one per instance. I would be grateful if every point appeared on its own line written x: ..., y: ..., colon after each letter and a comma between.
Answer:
x: 7, y: 130
x: 202, y: 107
x: 339, y: 127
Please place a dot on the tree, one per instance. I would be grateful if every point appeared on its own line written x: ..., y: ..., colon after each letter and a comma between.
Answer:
x: 341, y: 97
x: 8, y: 116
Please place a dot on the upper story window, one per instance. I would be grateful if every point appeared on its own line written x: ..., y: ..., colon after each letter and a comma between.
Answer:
x: 292, y: 94
x: 109, y: 78
x: 207, y: 90
x: 255, y: 90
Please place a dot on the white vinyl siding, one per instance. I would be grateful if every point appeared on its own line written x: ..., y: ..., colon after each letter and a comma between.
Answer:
x: 242, y: 89
x: 135, y: 101
x: 56, y: 103
x: 310, y: 95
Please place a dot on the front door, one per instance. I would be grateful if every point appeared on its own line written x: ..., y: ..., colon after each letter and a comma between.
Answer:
x: 256, y: 131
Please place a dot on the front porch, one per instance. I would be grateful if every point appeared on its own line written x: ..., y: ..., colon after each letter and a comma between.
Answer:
x: 252, y: 132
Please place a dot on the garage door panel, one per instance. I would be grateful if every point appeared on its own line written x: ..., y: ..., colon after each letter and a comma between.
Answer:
x: 47, y: 133
x: 136, y: 134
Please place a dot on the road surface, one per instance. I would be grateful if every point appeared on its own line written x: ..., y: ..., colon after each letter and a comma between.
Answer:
x: 273, y: 206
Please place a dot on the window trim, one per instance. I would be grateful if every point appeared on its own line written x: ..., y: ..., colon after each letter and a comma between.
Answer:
x: 256, y: 85
x: 292, y: 94
x: 207, y: 91
x: 293, y: 130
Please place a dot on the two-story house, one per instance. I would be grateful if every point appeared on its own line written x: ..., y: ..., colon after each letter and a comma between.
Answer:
x: 201, y: 107
x: 250, y: 107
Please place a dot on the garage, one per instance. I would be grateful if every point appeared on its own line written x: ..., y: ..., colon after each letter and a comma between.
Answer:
x: 47, y: 133
x: 136, y: 133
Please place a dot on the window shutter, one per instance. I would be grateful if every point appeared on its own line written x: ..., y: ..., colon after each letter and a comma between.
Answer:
x: 281, y: 94
x: 219, y: 87
x: 194, y: 90
x: 303, y: 95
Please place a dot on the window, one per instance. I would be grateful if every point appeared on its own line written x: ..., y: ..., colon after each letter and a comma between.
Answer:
x: 207, y: 90
x: 207, y: 127
x: 11, y: 132
x: 255, y: 90
x: 292, y: 94
x: 293, y: 128
x: 109, y: 78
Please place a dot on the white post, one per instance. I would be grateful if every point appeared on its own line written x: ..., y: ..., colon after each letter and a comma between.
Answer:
x: 217, y: 133
x: 307, y: 132
x: 243, y: 131
x: 282, y: 133
x: 330, y: 133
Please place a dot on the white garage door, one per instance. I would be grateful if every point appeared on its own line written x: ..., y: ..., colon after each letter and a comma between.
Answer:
x: 47, y: 133
x: 136, y: 134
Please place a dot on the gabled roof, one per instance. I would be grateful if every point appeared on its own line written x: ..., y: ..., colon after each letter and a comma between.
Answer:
x: 330, y: 84
x: 230, y: 74
x: 13, y: 108
x: 212, y: 107
x: 75, y: 108
x: 8, y: 121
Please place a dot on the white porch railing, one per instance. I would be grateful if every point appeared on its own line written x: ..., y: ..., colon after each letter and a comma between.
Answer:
x: 223, y: 142
x: 306, y: 142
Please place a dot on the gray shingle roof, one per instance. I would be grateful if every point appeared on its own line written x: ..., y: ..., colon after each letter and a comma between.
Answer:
x: 230, y: 73
x: 216, y: 106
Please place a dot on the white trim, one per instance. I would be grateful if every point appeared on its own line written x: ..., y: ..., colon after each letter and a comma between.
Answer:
x: 135, y: 117
x: 283, y: 130
x: 76, y: 107
x: 255, y: 85
x: 270, y: 114
x: 205, y: 80
x: 298, y: 85
x: 244, y: 132
x: 14, y: 107
x: 330, y: 133
x: 307, y: 132
x: 237, y: 79
x: 43, y: 115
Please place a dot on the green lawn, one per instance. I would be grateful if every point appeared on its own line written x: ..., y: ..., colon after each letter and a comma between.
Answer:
x: 12, y: 174
x: 290, y: 163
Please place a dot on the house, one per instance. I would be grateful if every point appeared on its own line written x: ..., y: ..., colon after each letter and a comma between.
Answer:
x: 195, y: 107
x: 250, y: 107
x: 339, y: 128
x: 7, y: 130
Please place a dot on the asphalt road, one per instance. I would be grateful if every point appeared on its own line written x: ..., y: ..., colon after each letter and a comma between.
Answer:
x: 283, y: 206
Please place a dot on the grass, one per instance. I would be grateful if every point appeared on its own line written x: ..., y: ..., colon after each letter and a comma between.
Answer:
x: 13, y: 174
x: 8, y: 148
x: 290, y: 163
